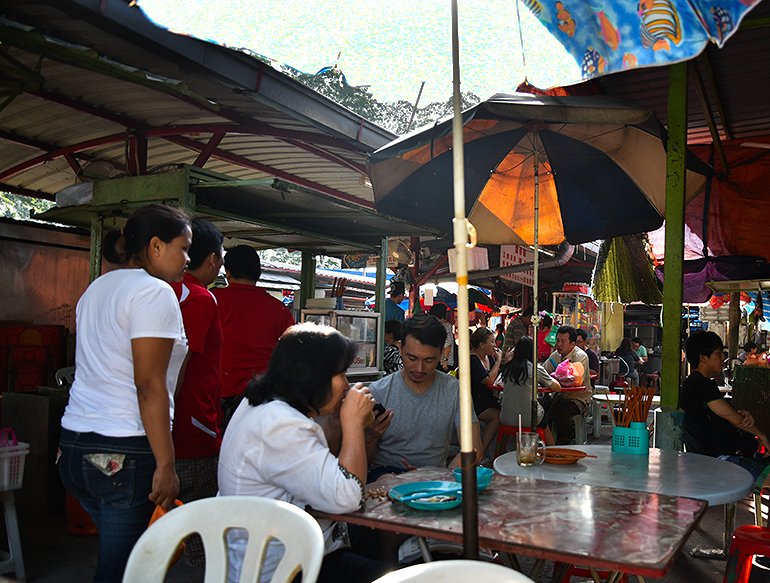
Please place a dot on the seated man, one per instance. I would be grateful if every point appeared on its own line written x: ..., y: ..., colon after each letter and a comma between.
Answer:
x: 712, y: 426
x: 593, y: 358
x: 567, y: 404
x: 422, y: 406
x: 639, y: 348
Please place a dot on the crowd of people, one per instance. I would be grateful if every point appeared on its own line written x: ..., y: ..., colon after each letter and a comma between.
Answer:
x: 245, y: 387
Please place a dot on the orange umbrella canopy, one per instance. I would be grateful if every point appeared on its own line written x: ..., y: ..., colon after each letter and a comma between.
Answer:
x: 600, y: 167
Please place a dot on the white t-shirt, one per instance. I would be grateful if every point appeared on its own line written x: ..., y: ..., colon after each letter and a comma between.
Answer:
x: 116, y: 308
x: 274, y: 451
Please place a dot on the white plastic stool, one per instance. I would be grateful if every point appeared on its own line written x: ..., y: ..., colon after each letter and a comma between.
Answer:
x: 581, y: 433
x: 12, y: 561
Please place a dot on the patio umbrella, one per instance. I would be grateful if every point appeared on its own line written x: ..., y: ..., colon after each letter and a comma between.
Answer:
x: 606, y: 37
x: 475, y: 296
x: 600, y: 165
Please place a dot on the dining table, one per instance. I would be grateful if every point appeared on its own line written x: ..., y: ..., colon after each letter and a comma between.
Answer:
x: 661, y: 471
x: 606, y: 529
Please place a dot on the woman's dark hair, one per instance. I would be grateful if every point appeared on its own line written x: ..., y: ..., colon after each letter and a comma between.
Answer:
x: 625, y: 347
x: 439, y: 310
x: 749, y: 346
x: 393, y: 327
x: 207, y: 239
x: 243, y: 262
x: 546, y: 321
x: 302, y: 366
x: 499, y: 329
x: 480, y: 336
x: 154, y: 220
x: 516, y: 369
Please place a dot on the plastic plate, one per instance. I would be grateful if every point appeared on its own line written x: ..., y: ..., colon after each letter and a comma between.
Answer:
x: 452, y: 499
x: 561, y: 455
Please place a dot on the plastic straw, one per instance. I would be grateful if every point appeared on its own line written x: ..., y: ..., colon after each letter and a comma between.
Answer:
x: 519, y: 422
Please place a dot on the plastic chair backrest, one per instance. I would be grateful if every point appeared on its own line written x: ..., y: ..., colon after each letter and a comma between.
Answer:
x: 460, y: 571
x: 265, y: 519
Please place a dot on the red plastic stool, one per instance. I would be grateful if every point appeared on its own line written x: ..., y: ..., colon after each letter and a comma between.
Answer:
x: 574, y: 571
x: 747, y: 541
x: 507, y: 431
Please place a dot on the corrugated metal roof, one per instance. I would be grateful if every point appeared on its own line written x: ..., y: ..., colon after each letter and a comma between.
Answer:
x: 94, y: 80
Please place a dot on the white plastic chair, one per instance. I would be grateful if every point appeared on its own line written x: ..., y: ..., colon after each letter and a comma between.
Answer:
x: 265, y: 519
x: 65, y: 377
x: 460, y: 571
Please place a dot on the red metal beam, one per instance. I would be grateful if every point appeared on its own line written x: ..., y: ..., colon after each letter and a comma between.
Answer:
x: 74, y: 164
x: 141, y: 153
x: 241, y: 161
x: 303, y: 140
x: 111, y: 139
x: 209, y: 149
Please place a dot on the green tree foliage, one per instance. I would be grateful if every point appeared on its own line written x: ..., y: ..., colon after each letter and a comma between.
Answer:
x: 288, y: 257
x: 393, y: 116
x: 15, y: 206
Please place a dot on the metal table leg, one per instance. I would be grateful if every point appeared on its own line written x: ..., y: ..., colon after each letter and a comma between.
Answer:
x: 424, y: 549
x: 720, y: 554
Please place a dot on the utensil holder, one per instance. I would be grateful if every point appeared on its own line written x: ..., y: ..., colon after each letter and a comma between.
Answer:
x: 634, y: 439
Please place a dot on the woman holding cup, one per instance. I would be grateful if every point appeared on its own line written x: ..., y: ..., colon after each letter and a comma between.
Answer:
x: 274, y: 448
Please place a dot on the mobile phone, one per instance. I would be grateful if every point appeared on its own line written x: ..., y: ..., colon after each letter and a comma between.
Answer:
x: 379, y: 409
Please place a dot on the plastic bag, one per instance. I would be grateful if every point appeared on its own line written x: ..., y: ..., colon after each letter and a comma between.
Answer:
x: 159, y: 512
x: 569, y: 374
x: 551, y: 336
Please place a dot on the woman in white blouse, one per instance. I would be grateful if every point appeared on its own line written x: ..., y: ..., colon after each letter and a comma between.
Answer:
x: 274, y: 448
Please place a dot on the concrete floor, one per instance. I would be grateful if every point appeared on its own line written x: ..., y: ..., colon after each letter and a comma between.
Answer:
x: 52, y: 555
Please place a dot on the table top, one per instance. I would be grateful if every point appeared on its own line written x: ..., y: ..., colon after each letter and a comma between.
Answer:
x: 617, y: 398
x: 669, y: 472
x: 618, y: 530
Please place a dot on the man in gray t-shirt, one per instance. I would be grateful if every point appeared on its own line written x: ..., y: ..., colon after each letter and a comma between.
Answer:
x: 423, y: 405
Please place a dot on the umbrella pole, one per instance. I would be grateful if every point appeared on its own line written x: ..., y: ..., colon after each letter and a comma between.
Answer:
x: 535, y: 290
x: 462, y: 229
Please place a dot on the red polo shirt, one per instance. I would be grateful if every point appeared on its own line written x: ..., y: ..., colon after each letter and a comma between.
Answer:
x: 252, y: 322
x: 197, y: 407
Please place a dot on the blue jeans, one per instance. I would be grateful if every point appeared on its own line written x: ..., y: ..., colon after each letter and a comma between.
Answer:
x: 118, y: 504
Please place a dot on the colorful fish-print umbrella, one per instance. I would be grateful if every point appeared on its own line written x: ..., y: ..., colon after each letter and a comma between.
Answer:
x: 599, y: 163
x: 608, y: 36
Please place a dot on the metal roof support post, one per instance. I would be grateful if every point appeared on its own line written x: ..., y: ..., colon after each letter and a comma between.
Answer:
x: 95, y: 254
x: 674, y: 248
x: 379, y: 299
x: 306, y: 278
x: 735, y: 322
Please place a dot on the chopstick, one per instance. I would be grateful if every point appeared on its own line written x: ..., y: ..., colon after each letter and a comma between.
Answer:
x: 568, y: 455
x: 636, y: 406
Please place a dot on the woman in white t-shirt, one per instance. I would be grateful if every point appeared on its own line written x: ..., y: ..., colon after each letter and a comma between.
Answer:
x: 274, y: 448
x: 117, y: 457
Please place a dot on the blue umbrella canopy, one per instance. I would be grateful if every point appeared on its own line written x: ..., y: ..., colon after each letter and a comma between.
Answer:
x: 600, y: 168
x: 605, y: 37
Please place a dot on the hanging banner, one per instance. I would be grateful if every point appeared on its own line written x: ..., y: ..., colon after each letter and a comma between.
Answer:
x: 517, y: 255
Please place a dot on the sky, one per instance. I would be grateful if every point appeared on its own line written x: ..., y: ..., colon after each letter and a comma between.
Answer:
x: 391, y: 46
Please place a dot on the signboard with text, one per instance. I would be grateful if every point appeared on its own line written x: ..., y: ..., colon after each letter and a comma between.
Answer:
x: 516, y: 255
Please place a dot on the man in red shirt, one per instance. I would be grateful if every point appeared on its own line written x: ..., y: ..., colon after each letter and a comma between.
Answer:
x: 252, y: 322
x: 197, y: 410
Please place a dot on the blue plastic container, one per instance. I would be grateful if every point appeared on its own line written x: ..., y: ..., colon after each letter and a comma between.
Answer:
x: 634, y: 439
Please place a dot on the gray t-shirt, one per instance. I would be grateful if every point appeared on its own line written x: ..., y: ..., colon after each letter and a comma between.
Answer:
x: 422, y: 426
